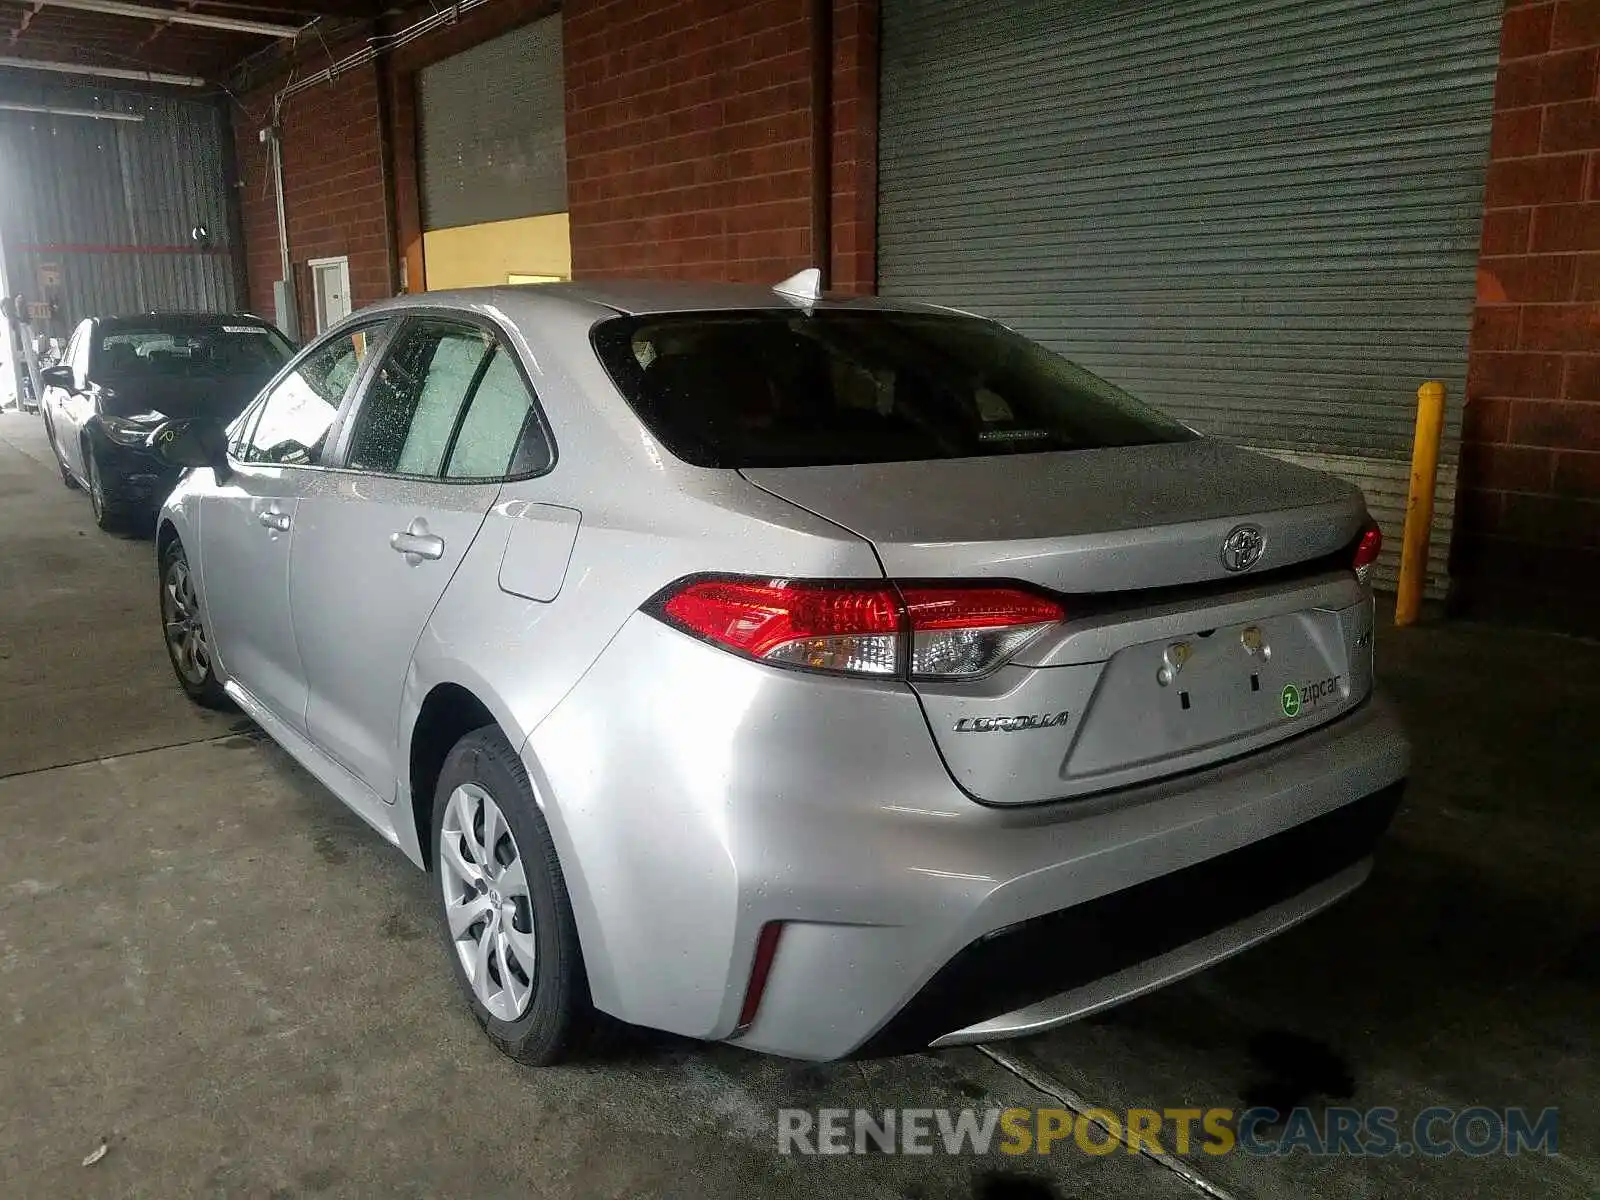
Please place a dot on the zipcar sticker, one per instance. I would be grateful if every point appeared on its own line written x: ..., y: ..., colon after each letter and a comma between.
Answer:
x: 1296, y: 696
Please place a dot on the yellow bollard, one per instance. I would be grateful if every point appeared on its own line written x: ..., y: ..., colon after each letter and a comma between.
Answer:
x: 1419, y: 504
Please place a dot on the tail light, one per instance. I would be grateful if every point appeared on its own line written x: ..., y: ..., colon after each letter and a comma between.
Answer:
x: 1368, y: 546
x: 948, y: 631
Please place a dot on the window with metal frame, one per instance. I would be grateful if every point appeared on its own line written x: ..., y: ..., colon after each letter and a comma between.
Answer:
x: 448, y: 400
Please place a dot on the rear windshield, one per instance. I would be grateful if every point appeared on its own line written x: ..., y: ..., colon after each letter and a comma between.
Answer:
x: 191, y: 350
x: 789, y: 388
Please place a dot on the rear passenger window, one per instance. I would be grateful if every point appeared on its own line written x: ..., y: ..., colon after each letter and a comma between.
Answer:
x: 410, y: 413
x: 493, y: 425
x: 446, y: 400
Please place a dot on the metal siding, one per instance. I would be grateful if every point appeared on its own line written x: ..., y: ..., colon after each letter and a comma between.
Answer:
x: 492, y: 134
x: 136, y: 187
x: 1261, y: 215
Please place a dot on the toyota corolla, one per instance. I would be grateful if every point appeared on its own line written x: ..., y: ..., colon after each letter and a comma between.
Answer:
x: 827, y: 676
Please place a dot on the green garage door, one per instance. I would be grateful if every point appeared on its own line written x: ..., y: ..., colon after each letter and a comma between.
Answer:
x: 1261, y: 215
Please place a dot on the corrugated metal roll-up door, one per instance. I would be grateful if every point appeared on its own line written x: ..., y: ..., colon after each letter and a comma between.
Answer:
x: 492, y: 130
x: 106, y: 209
x: 1260, y: 215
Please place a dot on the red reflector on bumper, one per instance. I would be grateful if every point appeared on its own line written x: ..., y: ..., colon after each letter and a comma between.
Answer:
x: 766, y: 951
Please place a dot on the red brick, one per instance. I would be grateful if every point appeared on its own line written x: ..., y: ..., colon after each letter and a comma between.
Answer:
x: 1577, y: 473
x: 1507, y: 468
x: 1479, y: 510
x: 1577, y: 23
x: 1515, y: 133
x: 1486, y: 419
x: 1547, y: 180
x: 1533, y: 376
x: 1506, y: 231
x: 1527, y: 279
x: 1592, y: 192
x: 1561, y: 327
x: 1548, y: 79
x: 1526, y: 31
x: 1572, y: 126
x: 1552, y: 520
x: 1495, y: 328
x: 1583, y: 378
x: 1559, y: 424
x: 1586, y: 284
x: 1565, y: 227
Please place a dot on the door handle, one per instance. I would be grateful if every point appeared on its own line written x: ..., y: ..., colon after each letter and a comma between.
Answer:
x: 277, y: 521
x: 416, y: 543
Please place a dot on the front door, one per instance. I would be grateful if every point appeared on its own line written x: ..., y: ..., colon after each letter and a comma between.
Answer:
x: 248, y: 524
x: 428, y: 446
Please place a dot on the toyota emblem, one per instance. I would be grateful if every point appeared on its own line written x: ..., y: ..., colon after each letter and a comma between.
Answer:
x: 1242, y: 548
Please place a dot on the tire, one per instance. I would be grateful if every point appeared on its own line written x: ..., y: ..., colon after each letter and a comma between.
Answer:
x: 108, y: 514
x: 553, y: 1016
x: 179, y: 604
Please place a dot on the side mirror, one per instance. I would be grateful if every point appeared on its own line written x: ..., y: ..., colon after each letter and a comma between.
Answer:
x: 60, y: 377
x: 192, y: 442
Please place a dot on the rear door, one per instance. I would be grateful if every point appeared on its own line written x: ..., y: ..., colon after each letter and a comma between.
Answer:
x: 247, y: 523
x: 421, y: 464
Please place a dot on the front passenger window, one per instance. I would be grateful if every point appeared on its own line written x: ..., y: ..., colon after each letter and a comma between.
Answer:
x: 292, y: 423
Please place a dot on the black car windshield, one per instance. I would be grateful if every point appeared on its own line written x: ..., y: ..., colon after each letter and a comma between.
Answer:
x: 127, y: 353
x: 790, y: 388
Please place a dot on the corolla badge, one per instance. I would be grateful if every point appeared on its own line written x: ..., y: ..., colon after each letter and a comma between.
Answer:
x: 1012, y: 724
x: 1242, y: 548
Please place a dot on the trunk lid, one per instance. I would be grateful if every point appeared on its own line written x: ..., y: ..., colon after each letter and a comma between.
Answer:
x: 1149, y: 674
x: 1109, y: 520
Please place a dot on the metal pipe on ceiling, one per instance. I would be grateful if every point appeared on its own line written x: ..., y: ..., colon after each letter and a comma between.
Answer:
x: 177, y: 16
x: 56, y: 111
x: 69, y: 68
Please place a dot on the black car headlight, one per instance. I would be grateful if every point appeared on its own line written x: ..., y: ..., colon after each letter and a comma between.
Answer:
x: 131, y: 430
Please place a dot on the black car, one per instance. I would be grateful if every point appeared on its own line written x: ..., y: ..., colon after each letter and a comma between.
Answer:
x: 123, y: 376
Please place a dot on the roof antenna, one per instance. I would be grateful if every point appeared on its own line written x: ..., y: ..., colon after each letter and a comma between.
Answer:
x: 806, y: 286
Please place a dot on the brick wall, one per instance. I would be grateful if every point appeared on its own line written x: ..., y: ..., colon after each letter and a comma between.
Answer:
x: 334, y: 192
x: 1529, y: 514
x: 689, y: 133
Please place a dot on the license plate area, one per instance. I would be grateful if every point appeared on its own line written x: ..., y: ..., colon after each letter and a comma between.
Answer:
x: 1254, y: 682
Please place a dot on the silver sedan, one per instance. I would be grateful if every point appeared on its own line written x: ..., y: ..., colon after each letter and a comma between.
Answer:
x: 829, y: 676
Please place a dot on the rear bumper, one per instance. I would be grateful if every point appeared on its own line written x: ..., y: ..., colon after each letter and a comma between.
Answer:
x: 1049, y: 970
x: 695, y: 798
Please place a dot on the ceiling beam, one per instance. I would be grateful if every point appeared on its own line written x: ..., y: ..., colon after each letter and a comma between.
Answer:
x: 177, y: 16
x: 69, y: 68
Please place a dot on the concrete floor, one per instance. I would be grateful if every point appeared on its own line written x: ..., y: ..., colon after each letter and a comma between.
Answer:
x: 207, y: 963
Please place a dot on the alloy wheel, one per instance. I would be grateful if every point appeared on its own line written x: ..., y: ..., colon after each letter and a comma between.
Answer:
x: 486, y: 902
x: 180, y: 617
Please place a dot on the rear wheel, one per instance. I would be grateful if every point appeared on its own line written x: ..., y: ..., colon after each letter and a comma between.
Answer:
x: 504, y: 910
x: 188, y: 645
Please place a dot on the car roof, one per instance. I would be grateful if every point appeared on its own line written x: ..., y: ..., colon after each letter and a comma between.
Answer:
x: 642, y: 297
x: 176, y: 320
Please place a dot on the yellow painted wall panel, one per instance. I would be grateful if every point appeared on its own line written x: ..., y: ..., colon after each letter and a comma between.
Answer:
x: 487, y: 254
